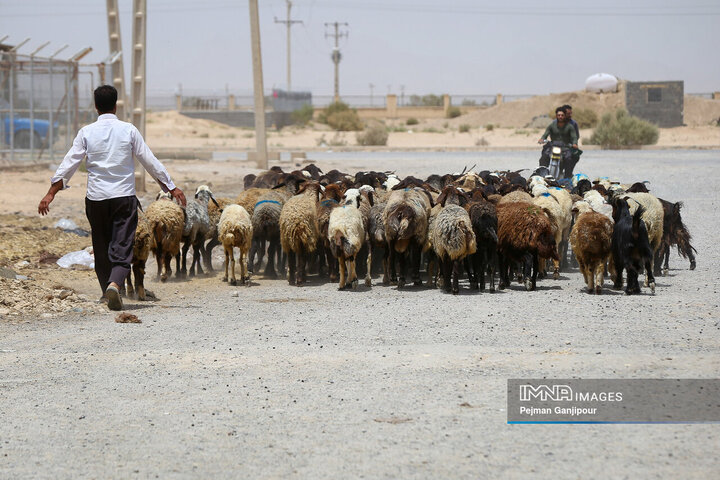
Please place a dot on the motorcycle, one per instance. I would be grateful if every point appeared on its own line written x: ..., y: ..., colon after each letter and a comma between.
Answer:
x: 555, y: 155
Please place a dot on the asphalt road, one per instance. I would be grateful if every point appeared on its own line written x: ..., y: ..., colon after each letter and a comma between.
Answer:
x: 273, y: 381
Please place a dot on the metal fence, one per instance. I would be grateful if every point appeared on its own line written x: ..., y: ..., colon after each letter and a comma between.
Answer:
x: 214, y: 100
x: 40, y: 111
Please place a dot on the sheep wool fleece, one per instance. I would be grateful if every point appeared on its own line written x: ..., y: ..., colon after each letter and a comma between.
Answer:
x: 112, y: 223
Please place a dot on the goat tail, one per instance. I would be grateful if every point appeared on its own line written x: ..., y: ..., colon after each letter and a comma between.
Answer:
x: 638, y: 216
x: 229, y: 238
x: 491, y: 231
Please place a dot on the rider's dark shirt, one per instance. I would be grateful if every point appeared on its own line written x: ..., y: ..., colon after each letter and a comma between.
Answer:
x: 565, y: 133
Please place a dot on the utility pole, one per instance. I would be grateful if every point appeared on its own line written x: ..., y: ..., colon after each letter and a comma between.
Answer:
x: 289, y: 23
x: 402, y: 95
x: 336, y: 54
x: 139, y: 34
x: 371, y: 94
x: 260, y: 140
x: 118, y: 73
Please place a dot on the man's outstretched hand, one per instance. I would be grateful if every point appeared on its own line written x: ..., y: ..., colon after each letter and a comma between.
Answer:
x: 179, y: 196
x: 44, y: 206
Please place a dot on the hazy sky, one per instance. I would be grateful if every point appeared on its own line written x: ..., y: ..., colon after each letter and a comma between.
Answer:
x: 452, y: 46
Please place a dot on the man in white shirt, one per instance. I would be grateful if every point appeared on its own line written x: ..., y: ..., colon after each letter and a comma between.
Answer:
x: 110, y: 204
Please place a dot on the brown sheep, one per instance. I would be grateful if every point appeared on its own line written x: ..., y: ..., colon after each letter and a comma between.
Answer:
x: 167, y: 220
x: 591, y: 241
x: 406, y: 226
x: 249, y: 198
x: 526, y: 232
x: 299, y: 234
x: 141, y: 251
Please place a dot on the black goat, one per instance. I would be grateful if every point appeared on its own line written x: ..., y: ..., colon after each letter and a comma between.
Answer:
x: 631, y: 249
x: 675, y: 233
x: 483, y: 217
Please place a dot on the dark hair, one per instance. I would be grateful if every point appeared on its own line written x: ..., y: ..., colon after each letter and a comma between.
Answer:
x: 559, y: 109
x: 567, y: 107
x: 105, y: 98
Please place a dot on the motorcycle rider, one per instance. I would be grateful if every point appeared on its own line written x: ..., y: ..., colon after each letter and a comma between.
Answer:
x: 559, y: 130
x: 575, y: 157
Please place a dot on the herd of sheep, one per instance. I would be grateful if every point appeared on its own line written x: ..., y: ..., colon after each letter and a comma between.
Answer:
x: 468, y: 224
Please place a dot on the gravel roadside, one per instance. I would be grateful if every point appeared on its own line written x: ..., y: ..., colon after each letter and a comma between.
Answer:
x: 276, y: 381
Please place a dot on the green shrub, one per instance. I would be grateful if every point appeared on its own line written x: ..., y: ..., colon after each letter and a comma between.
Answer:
x: 346, y: 121
x: 430, y: 100
x: 412, y: 121
x: 620, y: 129
x: 373, y: 135
x: 464, y: 128
x: 302, y: 115
x: 585, y: 117
x: 339, y: 116
x: 453, y: 112
x: 431, y: 130
x: 489, y: 127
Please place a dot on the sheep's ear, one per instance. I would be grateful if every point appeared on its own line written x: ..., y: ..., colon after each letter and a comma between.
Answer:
x: 215, y: 201
x: 279, y: 185
x: 357, y: 200
x: 371, y: 198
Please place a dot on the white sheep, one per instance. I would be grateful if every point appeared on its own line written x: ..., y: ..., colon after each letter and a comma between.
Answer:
x: 346, y: 234
x: 235, y: 230
x: 562, y: 216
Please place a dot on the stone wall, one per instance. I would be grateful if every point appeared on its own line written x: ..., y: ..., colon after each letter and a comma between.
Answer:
x: 661, y: 103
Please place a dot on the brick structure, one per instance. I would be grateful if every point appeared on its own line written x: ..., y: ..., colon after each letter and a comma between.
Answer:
x: 658, y: 102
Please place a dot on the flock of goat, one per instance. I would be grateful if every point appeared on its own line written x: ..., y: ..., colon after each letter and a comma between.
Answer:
x: 455, y: 224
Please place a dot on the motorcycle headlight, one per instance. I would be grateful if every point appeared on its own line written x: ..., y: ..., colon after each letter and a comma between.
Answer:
x: 556, y: 150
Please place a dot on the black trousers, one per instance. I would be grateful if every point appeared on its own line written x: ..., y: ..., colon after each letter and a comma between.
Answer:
x: 112, y: 224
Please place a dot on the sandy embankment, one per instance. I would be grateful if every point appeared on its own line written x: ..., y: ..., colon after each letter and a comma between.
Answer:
x: 504, y: 126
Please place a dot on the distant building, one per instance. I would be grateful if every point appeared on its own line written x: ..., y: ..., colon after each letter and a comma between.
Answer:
x: 661, y: 103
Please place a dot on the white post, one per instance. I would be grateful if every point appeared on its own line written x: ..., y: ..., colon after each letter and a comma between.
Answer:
x: 260, y: 139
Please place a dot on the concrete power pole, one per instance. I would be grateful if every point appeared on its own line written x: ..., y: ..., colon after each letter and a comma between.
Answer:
x: 118, y: 72
x: 289, y: 23
x: 336, y: 54
x: 260, y: 139
x: 139, y: 34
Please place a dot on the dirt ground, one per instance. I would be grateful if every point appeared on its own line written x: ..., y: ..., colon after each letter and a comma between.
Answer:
x: 274, y: 381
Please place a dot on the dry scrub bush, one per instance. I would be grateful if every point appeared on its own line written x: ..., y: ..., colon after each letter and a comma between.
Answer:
x: 373, y: 135
x: 339, y: 116
x: 453, y: 112
x: 620, y: 129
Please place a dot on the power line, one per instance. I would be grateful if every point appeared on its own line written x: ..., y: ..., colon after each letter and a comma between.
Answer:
x: 288, y: 23
x: 336, y: 53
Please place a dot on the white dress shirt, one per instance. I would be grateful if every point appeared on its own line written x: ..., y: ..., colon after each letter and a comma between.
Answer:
x: 109, y: 145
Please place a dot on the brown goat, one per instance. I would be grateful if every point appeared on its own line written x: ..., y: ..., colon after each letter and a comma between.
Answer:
x: 526, y: 232
x: 591, y: 239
